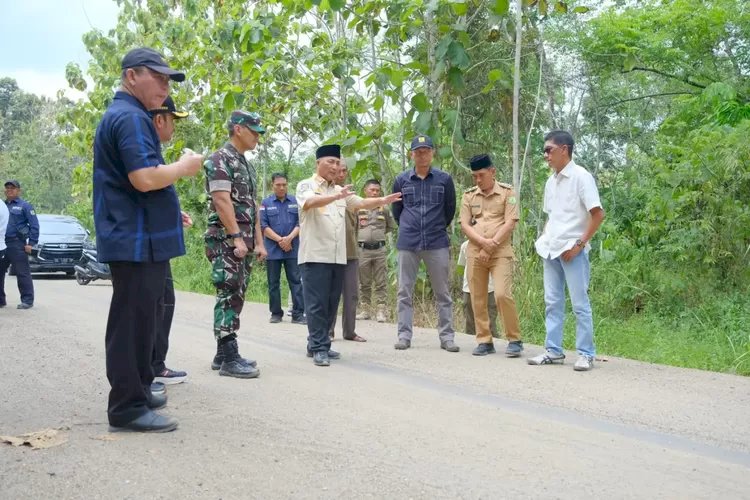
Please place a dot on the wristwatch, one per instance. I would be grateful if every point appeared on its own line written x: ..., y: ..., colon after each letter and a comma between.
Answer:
x: 579, y: 243
x: 234, y: 235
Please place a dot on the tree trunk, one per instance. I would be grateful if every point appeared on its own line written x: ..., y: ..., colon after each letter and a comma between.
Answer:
x: 517, y: 95
x: 341, y: 35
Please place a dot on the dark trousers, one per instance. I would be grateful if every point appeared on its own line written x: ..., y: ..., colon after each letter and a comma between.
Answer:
x: 321, y: 285
x: 164, y: 320
x: 16, y: 255
x: 350, y: 293
x: 137, y: 288
x: 273, y: 271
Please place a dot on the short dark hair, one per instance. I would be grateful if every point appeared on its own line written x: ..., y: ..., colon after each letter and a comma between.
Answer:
x: 230, y: 128
x: 278, y: 175
x: 561, y: 138
x: 370, y: 182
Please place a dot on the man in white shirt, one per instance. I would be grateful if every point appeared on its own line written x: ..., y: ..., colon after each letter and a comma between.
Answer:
x: 574, y: 213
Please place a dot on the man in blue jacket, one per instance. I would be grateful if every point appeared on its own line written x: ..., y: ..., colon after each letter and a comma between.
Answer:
x: 138, y: 230
x: 21, y: 235
x: 426, y: 209
x: 279, y: 222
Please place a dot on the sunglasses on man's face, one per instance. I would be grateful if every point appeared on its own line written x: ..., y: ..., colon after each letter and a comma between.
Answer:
x: 549, y: 149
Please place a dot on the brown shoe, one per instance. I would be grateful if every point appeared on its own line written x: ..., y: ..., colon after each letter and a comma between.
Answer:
x: 356, y: 338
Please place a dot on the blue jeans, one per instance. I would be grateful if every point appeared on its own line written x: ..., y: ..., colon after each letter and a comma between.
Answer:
x: 575, y: 274
x: 273, y: 270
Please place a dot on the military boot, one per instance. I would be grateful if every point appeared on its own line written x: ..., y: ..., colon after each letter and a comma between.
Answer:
x: 233, y: 365
x: 381, y: 317
x: 219, y: 358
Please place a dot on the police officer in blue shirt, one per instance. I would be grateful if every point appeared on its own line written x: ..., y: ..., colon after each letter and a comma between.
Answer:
x: 21, y: 235
x: 279, y: 221
x: 138, y: 229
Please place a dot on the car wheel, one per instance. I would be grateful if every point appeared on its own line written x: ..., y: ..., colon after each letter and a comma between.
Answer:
x: 82, y: 280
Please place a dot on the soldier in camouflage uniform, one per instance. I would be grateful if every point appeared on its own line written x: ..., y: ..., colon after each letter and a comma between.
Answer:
x: 233, y: 232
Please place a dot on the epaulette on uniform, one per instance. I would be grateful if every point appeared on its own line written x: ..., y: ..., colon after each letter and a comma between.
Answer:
x: 473, y: 188
x: 506, y: 186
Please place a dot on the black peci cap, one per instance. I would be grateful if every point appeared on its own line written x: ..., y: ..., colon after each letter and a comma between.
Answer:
x: 479, y: 162
x: 328, y: 150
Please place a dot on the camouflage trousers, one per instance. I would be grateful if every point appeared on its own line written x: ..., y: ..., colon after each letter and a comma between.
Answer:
x: 230, y: 276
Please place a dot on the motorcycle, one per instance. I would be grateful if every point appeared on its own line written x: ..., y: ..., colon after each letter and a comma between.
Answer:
x: 89, y: 269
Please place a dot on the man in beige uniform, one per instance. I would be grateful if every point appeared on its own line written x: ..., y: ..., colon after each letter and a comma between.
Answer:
x: 489, y: 212
x: 373, y: 272
x: 322, y: 251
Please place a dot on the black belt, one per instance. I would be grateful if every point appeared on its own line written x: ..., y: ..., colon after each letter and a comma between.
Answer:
x: 375, y: 245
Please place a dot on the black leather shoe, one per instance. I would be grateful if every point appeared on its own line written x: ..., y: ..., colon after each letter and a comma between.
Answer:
x: 484, y: 349
x: 157, y: 401
x: 275, y: 319
x: 158, y: 388
x: 148, y: 422
x: 24, y: 305
x: 320, y: 358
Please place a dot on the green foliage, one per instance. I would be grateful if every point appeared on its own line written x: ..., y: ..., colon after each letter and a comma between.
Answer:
x: 656, y: 94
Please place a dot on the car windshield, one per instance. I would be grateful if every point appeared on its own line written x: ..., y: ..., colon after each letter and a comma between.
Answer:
x: 60, y: 227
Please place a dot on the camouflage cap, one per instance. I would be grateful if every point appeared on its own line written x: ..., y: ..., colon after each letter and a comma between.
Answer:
x: 250, y: 120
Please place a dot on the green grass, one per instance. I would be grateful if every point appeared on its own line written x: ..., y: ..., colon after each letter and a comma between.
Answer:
x: 711, y: 333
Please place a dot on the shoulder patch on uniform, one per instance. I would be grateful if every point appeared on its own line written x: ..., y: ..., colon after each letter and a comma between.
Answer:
x: 473, y: 188
x: 506, y: 186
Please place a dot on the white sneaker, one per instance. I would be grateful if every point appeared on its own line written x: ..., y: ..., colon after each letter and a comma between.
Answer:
x: 547, y: 358
x: 584, y: 363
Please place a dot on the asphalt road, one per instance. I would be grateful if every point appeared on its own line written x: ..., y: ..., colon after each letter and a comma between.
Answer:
x: 378, y: 423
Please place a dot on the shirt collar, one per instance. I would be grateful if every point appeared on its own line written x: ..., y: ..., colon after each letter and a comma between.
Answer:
x: 414, y: 173
x: 130, y: 99
x: 228, y: 145
x: 496, y: 189
x: 283, y: 200
x: 321, y: 181
x: 565, y: 172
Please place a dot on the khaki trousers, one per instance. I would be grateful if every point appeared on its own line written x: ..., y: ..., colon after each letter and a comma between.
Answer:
x: 373, y: 274
x: 491, y: 311
x: 501, y: 269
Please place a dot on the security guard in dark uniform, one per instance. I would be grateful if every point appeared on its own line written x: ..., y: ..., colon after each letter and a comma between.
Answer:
x: 22, y: 234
